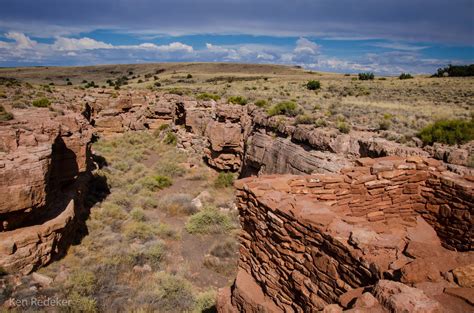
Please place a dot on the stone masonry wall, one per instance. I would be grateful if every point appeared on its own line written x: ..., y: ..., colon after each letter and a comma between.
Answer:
x: 309, y: 240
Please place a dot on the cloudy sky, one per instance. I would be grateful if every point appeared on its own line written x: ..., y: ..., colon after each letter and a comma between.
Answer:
x: 389, y: 36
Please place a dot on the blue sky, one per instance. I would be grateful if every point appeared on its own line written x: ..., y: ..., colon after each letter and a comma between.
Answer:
x: 387, y: 37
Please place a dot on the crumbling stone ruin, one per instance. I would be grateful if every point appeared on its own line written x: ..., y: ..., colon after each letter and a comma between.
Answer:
x: 330, y: 221
x: 44, y: 173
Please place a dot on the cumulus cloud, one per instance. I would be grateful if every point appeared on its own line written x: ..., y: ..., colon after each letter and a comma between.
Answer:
x: 72, y: 44
x: 21, y: 41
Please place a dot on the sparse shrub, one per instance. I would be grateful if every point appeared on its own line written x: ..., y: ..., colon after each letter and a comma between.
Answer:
x: 82, y: 304
x: 237, y: 100
x: 156, y: 182
x: 366, y: 76
x: 189, y: 76
x: 157, y: 84
x: 3, y: 272
x: 41, y: 103
x: 81, y: 281
x: 208, y: 96
x: 163, y: 127
x: 205, y: 302
x: 170, y: 139
x: 175, y: 204
x: 209, y: 221
x: 343, y: 127
x: 153, y: 254
x: 261, y: 103
x: 304, y: 119
x: 138, y: 215
x: 170, y: 169
x: 320, y: 122
x: 69, y: 83
x: 224, y: 180
x: 4, y: 115
x: 448, y: 131
x: 225, y: 249
x: 288, y: 108
x: 405, y: 76
x: 139, y: 230
x: 173, y: 293
x: 313, y: 85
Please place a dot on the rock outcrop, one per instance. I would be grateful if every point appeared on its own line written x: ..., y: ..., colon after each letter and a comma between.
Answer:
x: 44, y: 171
x: 371, y: 238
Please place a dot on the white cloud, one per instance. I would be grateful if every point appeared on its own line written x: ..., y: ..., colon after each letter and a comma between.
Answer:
x: 304, y: 46
x: 399, y: 46
x: 21, y: 41
x: 72, y: 44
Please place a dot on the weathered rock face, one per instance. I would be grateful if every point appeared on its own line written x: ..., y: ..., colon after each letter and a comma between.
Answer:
x: 366, y: 238
x: 44, y: 170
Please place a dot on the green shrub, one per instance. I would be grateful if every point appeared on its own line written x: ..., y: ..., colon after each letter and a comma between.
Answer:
x: 82, y: 281
x: 173, y: 293
x: 208, y: 96
x: 189, y: 76
x: 320, y: 122
x: 156, y: 182
x: 304, y: 119
x: 41, y: 103
x: 313, y: 85
x: 209, y: 221
x: 170, y: 139
x: 139, y: 230
x: 405, y: 76
x: 138, y: 215
x: 205, y: 302
x: 163, y: 127
x: 83, y: 304
x: 3, y: 272
x: 153, y: 254
x: 366, y: 76
x: 237, y: 100
x: 224, y: 180
x: 288, y: 108
x: 4, y: 115
x: 448, y: 131
x: 343, y: 127
x: 261, y: 103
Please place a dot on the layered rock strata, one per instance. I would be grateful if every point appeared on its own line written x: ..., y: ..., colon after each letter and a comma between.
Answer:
x: 371, y: 238
x: 44, y: 171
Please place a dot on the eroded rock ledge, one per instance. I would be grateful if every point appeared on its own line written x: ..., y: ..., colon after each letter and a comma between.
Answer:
x: 44, y: 170
x: 391, y: 234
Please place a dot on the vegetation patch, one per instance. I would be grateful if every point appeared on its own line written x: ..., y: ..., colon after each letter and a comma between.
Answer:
x: 448, y: 131
x: 224, y: 180
x: 288, y: 108
x: 208, y: 96
x: 366, y: 76
x: 405, y: 76
x: 313, y: 85
x: 209, y: 221
x: 237, y: 100
x: 41, y: 103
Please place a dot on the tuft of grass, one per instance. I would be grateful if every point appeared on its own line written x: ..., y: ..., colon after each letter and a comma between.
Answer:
x: 224, y: 180
x: 154, y: 183
x: 139, y: 230
x: 170, y: 139
x: 138, y: 215
x: 41, y: 103
x: 261, y: 103
x: 205, y: 302
x: 237, y: 100
x: 343, y: 127
x: 304, y: 119
x: 209, y: 221
x: 448, y: 131
x: 208, y: 96
x: 288, y: 108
